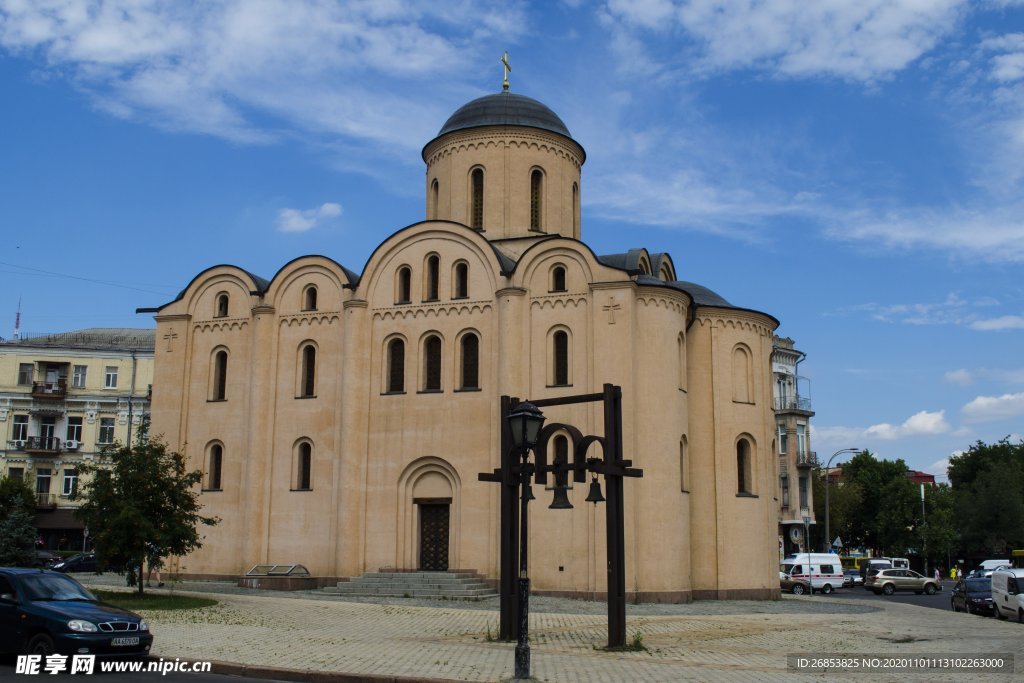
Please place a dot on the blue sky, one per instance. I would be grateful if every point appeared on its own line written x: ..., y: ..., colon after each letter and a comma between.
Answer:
x: 853, y: 168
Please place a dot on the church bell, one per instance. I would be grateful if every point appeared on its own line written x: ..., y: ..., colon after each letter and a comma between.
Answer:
x: 561, y: 499
x: 595, y: 496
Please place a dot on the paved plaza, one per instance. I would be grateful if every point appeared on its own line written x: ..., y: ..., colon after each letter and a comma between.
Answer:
x: 292, y: 635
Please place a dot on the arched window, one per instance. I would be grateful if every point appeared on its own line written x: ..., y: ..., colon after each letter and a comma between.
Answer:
x: 560, y: 358
x: 432, y: 363
x: 222, y: 305
x: 476, y: 210
x: 434, y: 192
x: 396, y: 366
x: 742, y: 389
x: 309, y: 298
x: 684, y: 475
x: 461, y: 281
x: 470, y: 353
x: 303, y: 467
x: 219, y: 381
x: 681, y: 359
x: 214, y: 463
x: 743, y: 467
x: 557, y: 279
x: 404, y: 285
x: 307, y: 372
x: 536, y: 199
x: 575, y: 210
x: 433, y: 271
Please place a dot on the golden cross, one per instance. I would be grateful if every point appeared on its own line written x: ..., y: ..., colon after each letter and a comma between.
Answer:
x: 508, y: 67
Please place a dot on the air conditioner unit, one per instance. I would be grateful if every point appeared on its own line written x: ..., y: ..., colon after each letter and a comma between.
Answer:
x: 71, y: 445
x: 20, y: 445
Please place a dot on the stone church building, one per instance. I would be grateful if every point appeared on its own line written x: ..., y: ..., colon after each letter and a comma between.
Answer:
x: 341, y: 418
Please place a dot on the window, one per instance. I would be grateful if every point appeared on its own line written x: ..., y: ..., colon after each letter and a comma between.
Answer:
x: 684, y: 478
x: 783, y: 439
x: 220, y: 376
x: 461, y: 281
x: 432, y: 274
x: 213, y: 468
x: 434, y: 192
x: 404, y: 285
x: 308, y: 372
x: 303, y: 466
x: 20, y: 428
x: 74, y: 431
x: 476, y: 211
x: 470, y: 348
x: 396, y: 366
x: 803, y: 493
x: 560, y: 358
x: 70, y: 482
x: 221, y: 310
x: 78, y: 376
x: 16, y: 473
x: 827, y: 569
x: 558, y: 279
x: 110, y: 377
x: 106, y: 430
x: 536, y: 197
x: 43, y: 480
x: 26, y: 371
x: 743, y: 468
x: 801, y: 440
x: 784, y: 484
x: 575, y: 210
x: 309, y: 298
x: 681, y: 359
x: 432, y: 363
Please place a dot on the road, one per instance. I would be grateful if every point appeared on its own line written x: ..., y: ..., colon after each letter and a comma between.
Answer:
x: 938, y: 601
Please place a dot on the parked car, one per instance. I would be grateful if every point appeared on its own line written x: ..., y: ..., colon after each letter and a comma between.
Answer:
x: 1008, y: 593
x: 871, y: 566
x: 45, y: 558
x: 82, y: 562
x: 793, y: 585
x: 973, y: 596
x: 44, y: 612
x: 889, y: 581
x: 852, y: 577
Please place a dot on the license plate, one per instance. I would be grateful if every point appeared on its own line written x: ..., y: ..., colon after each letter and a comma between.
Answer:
x: 124, y: 641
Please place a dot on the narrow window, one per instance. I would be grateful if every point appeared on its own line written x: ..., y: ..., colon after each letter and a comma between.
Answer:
x: 681, y: 360
x: 70, y: 483
x: 106, y: 433
x: 78, y: 376
x: 304, y: 467
x: 20, y: 428
x: 396, y: 366
x: 433, y: 273
x: 536, y: 196
x: 74, y: 430
x: 432, y: 364
x: 470, y: 362
x: 784, y: 483
x: 214, y: 468
x: 461, y: 280
x: 783, y: 439
x: 558, y: 279
x: 26, y: 371
x: 743, y: 466
x: 742, y: 391
x: 222, y: 305
x: 404, y: 285
x: 309, y: 299
x: 575, y: 210
x: 803, y: 493
x: 110, y: 377
x: 220, y: 376
x: 308, y: 388
x: 684, y: 478
x: 434, y: 192
x: 560, y: 344
x: 476, y: 214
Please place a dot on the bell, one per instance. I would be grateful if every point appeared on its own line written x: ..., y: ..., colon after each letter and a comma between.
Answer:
x: 528, y: 493
x: 561, y: 499
x: 595, y: 496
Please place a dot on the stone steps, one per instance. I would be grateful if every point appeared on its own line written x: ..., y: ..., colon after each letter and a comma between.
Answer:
x: 436, y: 585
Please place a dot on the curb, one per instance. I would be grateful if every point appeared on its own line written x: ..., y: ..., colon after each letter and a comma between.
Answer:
x: 313, y: 676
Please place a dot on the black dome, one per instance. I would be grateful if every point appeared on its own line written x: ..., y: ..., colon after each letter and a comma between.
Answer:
x: 505, y: 109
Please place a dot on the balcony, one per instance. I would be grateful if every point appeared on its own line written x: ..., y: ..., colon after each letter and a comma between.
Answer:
x: 55, y: 391
x: 46, y: 500
x: 42, y: 445
x: 807, y: 459
x: 799, y: 403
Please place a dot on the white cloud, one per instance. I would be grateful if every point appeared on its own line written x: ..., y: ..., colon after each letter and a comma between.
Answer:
x: 990, y: 408
x: 954, y: 310
x: 919, y: 424
x: 1006, y: 322
x: 299, y: 220
x: 960, y: 376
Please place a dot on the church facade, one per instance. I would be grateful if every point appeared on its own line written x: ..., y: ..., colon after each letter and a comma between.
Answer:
x: 341, y: 418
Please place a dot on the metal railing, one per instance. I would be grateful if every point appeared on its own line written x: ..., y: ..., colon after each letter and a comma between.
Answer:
x: 46, y: 500
x: 49, y: 444
x: 807, y: 459
x: 792, y: 403
x: 58, y: 389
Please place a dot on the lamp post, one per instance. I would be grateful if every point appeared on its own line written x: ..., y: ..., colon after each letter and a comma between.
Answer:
x: 828, y: 468
x: 807, y: 549
x: 525, y: 422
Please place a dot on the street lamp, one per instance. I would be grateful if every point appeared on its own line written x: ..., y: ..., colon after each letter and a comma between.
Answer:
x: 828, y: 467
x: 525, y: 422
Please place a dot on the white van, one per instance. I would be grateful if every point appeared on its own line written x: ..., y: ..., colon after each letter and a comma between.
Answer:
x: 823, y: 571
x: 1008, y: 593
x: 899, y: 562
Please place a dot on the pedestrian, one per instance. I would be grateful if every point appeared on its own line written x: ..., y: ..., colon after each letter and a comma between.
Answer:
x: 952, y: 572
x: 153, y: 553
x: 938, y: 575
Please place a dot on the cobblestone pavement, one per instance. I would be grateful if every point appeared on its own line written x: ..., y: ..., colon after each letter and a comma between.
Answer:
x: 277, y: 633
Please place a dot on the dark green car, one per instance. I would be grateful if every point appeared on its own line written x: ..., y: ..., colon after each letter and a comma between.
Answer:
x: 44, y: 612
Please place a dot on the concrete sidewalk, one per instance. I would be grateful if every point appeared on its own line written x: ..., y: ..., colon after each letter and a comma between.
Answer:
x: 312, y: 637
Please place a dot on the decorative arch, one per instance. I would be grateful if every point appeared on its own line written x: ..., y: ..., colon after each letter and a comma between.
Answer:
x: 427, y: 480
x: 742, y: 374
x: 745, y: 455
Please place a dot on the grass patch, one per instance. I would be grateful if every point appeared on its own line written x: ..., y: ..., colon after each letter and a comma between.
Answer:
x: 152, y: 601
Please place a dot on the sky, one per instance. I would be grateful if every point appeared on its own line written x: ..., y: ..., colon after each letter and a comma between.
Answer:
x: 855, y: 169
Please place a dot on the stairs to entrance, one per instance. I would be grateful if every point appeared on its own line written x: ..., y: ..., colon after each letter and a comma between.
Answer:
x: 436, y: 585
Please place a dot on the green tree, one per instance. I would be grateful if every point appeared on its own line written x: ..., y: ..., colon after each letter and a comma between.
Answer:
x: 941, y: 529
x: 146, y: 497
x: 17, y: 523
x: 988, y: 486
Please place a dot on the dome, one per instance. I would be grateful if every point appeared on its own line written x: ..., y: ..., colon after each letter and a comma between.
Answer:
x: 505, y: 109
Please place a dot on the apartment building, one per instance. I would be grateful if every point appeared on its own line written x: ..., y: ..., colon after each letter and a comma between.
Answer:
x: 797, y: 461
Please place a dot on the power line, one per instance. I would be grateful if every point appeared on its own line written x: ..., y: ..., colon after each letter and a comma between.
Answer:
x: 108, y: 283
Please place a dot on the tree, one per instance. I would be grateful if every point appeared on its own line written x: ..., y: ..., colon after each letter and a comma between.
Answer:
x: 988, y: 486
x: 17, y: 523
x: 145, y: 499
x: 940, y: 527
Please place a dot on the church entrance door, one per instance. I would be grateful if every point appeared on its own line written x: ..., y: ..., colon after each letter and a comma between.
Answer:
x: 434, y: 522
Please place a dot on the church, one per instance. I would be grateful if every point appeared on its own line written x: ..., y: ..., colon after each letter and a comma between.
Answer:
x: 341, y: 417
